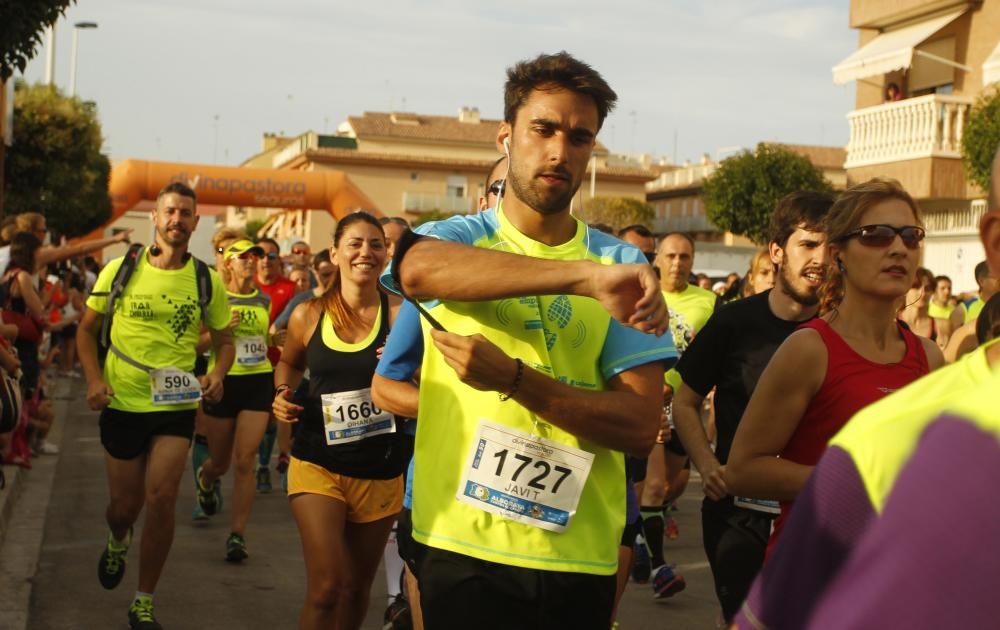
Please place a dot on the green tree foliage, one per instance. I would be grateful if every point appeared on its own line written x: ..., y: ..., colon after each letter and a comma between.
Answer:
x: 981, y: 138
x: 742, y: 193
x: 618, y: 212
x: 253, y: 227
x: 21, y: 25
x: 55, y: 165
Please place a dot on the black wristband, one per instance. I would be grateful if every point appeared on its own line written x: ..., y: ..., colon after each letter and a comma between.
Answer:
x: 281, y: 388
x: 403, y: 245
x: 517, y: 381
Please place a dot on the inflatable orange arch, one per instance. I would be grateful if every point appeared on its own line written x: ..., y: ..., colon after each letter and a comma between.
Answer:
x: 133, y: 181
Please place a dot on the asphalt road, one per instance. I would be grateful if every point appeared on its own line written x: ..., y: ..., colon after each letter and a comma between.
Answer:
x: 199, y: 590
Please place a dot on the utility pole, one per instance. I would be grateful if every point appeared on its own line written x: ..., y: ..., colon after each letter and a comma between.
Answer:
x: 50, y: 55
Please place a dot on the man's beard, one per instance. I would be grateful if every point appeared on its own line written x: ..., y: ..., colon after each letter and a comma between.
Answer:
x: 173, y: 241
x: 528, y: 193
x: 809, y: 297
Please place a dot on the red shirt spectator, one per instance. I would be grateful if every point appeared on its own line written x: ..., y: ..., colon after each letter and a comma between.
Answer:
x: 277, y: 287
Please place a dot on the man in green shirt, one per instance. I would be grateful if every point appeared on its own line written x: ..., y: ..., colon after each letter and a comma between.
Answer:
x: 146, y: 391
x: 668, y: 467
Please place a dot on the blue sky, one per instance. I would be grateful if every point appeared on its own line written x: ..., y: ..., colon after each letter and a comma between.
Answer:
x: 717, y: 73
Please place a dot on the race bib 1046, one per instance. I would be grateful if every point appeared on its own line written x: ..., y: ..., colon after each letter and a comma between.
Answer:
x: 523, y: 477
x: 352, y: 416
x: 171, y: 386
x: 250, y: 351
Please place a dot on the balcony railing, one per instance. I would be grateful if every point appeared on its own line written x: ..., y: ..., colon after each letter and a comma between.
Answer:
x: 682, y: 177
x: 427, y: 202
x: 956, y: 222
x: 693, y: 223
x: 926, y: 126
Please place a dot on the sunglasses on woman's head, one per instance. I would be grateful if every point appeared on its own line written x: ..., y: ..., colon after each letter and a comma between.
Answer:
x: 882, y: 235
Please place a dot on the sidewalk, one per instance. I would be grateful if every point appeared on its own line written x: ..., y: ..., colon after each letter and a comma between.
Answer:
x: 22, y: 513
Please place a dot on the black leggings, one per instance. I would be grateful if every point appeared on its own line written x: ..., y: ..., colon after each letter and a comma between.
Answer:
x: 735, y: 540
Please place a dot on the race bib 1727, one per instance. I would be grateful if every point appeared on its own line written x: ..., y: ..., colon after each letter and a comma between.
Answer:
x: 523, y: 477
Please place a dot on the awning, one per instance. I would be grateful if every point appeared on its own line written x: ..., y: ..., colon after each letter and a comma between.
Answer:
x: 891, y: 50
x: 991, y: 68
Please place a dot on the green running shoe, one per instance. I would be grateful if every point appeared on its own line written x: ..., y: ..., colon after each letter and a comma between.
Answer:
x: 263, y: 479
x: 111, y: 568
x: 236, y: 548
x: 140, y: 615
x: 209, y: 499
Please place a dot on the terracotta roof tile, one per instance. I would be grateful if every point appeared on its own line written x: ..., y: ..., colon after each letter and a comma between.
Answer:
x: 447, y: 128
x: 410, y: 126
x: 820, y: 156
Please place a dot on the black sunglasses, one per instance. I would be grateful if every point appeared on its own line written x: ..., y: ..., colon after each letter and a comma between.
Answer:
x: 496, y: 187
x: 272, y: 255
x: 882, y: 235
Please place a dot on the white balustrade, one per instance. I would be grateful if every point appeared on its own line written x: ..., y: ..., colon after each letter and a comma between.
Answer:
x: 925, y: 126
x: 956, y: 221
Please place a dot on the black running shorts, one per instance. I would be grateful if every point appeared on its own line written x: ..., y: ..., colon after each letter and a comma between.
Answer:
x: 243, y: 392
x: 127, y: 434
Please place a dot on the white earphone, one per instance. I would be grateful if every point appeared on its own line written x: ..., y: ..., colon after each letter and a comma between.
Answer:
x: 506, y: 147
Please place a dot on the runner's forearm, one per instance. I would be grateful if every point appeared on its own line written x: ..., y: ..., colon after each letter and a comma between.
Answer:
x: 766, y: 477
x: 225, y: 352
x: 625, y: 420
x: 86, y: 345
x: 399, y: 397
x: 287, y: 374
x: 687, y: 421
x: 436, y: 269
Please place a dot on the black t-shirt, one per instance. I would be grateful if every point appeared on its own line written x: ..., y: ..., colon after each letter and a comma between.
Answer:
x: 730, y: 353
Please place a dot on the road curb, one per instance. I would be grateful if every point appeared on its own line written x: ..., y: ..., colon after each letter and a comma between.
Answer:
x: 23, y: 509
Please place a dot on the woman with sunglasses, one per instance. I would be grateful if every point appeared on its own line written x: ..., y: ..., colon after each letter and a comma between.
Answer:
x: 856, y: 353
x: 235, y: 425
x: 345, y: 480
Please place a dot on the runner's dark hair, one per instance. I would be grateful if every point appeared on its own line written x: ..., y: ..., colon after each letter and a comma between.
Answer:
x: 333, y: 299
x: 178, y: 188
x: 560, y: 70
x: 805, y: 209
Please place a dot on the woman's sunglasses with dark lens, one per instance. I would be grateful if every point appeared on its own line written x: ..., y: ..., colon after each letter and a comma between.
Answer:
x: 495, y: 187
x: 271, y: 255
x: 881, y: 235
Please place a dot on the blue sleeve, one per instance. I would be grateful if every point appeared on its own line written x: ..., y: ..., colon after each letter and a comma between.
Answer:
x: 282, y: 320
x: 626, y: 348
x: 457, y: 229
x: 404, y: 350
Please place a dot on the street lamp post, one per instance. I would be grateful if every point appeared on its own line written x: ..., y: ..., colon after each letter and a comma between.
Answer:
x: 72, y: 68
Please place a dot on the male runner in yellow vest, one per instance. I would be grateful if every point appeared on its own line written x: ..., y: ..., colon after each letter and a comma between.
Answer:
x: 146, y: 391
x: 545, y: 377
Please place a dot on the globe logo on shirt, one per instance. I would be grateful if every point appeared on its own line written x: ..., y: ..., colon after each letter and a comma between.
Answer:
x: 560, y: 311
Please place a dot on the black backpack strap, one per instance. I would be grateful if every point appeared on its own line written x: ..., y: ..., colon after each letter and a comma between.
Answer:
x: 203, y: 278
x: 118, y: 284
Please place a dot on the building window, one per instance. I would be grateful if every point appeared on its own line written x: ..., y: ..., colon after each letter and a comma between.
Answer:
x: 457, y: 185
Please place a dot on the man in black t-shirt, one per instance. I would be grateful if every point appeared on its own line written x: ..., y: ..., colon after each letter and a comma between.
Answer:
x: 728, y: 355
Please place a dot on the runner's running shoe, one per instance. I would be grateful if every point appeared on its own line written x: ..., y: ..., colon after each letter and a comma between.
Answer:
x: 670, y: 529
x: 640, y: 562
x: 198, y: 514
x: 111, y: 567
x: 666, y: 583
x: 140, y: 615
x: 397, y: 615
x: 209, y: 498
x: 263, y: 479
x: 236, y: 548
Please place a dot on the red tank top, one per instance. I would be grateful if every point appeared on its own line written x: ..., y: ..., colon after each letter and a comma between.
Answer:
x: 852, y: 383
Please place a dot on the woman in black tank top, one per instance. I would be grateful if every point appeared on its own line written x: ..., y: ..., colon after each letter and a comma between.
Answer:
x: 345, y: 476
